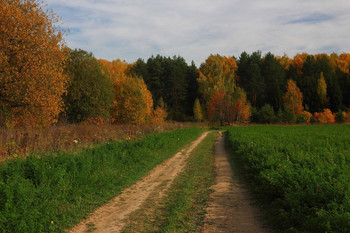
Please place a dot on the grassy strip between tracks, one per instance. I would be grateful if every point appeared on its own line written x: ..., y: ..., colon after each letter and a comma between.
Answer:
x: 182, y: 209
x: 49, y: 193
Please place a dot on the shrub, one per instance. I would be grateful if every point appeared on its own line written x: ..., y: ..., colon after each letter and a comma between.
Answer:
x: 288, y: 116
x: 300, y: 119
x: 304, y: 117
x: 158, y: 116
x: 325, y: 117
x: 267, y: 114
x: 255, y: 115
x: 340, y: 116
x: 313, y: 120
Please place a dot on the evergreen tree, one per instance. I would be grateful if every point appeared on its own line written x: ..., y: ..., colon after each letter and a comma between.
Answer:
x: 275, y: 81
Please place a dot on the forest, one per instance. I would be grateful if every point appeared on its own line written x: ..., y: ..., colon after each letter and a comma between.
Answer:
x: 43, y: 82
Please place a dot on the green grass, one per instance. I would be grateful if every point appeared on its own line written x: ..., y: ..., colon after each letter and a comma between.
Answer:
x: 186, y: 201
x: 182, y: 208
x: 49, y: 193
x: 301, y: 174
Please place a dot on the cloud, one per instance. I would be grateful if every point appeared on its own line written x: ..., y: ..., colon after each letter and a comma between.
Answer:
x: 313, y: 18
x: 195, y: 29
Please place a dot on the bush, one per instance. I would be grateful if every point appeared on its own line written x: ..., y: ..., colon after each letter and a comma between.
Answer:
x: 304, y: 117
x: 255, y: 115
x: 288, y: 116
x: 325, y: 117
x: 340, y: 116
x: 313, y: 120
x: 267, y: 114
x: 301, y: 120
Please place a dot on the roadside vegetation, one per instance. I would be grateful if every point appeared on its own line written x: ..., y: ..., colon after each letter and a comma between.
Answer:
x: 21, y: 142
x: 182, y: 209
x: 299, y: 173
x: 48, y: 193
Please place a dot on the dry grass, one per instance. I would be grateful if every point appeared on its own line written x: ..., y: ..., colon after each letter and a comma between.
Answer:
x: 65, y: 137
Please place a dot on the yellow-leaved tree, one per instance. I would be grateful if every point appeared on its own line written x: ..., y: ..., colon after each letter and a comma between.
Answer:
x: 133, y: 102
x: 322, y: 91
x: 216, y: 73
x: 197, y: 111
x: 32, y: 57
x: 293, y: 98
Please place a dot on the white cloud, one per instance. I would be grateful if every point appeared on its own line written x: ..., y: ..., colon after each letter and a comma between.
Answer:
x: 195, y: 29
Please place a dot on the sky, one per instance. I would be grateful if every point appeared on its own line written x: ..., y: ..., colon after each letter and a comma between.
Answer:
x: 194, y: 29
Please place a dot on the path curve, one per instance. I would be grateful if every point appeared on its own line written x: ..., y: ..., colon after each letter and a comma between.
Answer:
x: 230, y: 208
x: 111, y: 217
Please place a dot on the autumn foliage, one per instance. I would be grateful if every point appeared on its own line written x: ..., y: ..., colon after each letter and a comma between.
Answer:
x: 42, y: 81
x: 228, y: 108
x: 325, y: 117
x: 306, y: 116
x: 197, y: 111
x: 133, y: 102
x: 31, y: 64
x: 218, y: 107
x: 242, y: 108
x: 293, y: 98
x: 217, y: 73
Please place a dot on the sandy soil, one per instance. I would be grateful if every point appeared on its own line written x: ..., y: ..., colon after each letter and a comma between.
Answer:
x: 230, y: 208
x: 112, y: 216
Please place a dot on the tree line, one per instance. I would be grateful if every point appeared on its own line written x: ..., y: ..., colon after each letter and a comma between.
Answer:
x: 43, y: 82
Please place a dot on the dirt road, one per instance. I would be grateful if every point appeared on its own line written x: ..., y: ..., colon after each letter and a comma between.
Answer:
x: 229, y: 208
x: 112, y: 216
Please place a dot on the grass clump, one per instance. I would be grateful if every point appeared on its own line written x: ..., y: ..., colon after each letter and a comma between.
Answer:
x: 49, y: 193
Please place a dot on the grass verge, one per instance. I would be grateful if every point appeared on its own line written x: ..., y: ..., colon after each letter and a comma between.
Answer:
x: 182, y: 209
x: 49, y: 193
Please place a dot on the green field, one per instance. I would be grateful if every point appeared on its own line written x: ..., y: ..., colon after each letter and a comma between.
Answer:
x: 300, y: 174
x: 48, y: 193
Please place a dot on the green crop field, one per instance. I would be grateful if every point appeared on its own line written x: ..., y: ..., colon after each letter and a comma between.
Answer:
x: 300, y: 174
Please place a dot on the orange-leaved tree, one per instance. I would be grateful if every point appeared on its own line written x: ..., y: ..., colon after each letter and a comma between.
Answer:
x: 217, y: 73
x: 343, y: 62
x: 117, y: 68
x: 293, y: 98
x: 133, y: 102
x: 298, y: 62
x: 158, y: 115
x: 285, y: 61
x: 241, y: 108
x: 32, y: 57
x: 217, y: 108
